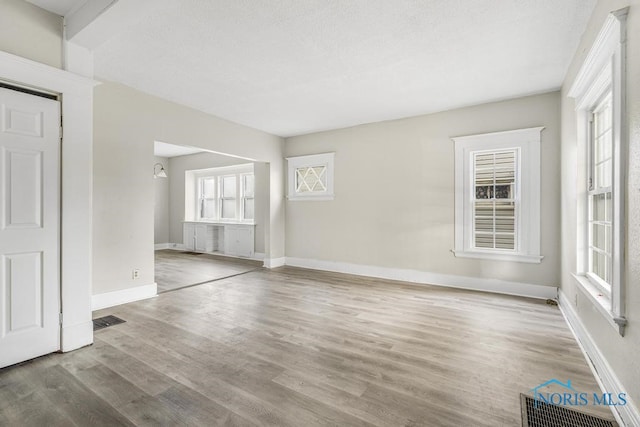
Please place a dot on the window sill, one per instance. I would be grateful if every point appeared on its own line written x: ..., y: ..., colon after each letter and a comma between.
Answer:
x: 601, y: 302
x: 530, y: 259
x: 221, y: 222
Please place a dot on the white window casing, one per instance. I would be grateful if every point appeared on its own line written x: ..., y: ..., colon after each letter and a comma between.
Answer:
x: 214, y: 202
x: 497, y: 196
x: 602, y: 75
x: 310, y: 177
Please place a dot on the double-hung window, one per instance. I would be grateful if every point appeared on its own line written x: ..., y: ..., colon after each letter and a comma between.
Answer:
x: 600, y: 195
x: 222, y: 194
x: 498, y: 196
x: 598, y: 90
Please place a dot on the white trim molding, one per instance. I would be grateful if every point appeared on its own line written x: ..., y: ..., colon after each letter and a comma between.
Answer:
x: 161, y: 246
x: 525, y: 143
x: 274, y: 262
x: 607, y: 379
x: 427, y: 278
x: 76, y: 187
x: 604, y: 70
x: 123, y: 296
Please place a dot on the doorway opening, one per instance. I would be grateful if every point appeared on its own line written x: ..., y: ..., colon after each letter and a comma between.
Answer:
x: 209, y: 215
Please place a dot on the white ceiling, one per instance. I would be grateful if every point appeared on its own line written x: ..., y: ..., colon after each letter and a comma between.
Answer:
x: 291, y: 67
x: 162, y: 149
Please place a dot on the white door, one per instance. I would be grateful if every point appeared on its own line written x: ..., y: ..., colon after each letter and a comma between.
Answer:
x: 29, y: 226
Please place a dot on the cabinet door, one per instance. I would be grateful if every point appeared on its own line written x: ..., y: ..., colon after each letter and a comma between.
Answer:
x: 188, y: 235
x: 201, y: 238
x: 239, y: 240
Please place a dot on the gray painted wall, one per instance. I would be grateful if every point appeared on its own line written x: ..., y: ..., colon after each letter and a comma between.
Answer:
x: 126, y: 124
x: 394, y: 192
x: 31, y: 32
x: 161, y: 203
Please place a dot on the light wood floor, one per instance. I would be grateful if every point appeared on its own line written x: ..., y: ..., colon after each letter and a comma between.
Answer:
x: 175, y: 269
x: 292, y: 347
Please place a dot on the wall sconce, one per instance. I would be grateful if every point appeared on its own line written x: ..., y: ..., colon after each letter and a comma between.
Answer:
x: 159, y: 173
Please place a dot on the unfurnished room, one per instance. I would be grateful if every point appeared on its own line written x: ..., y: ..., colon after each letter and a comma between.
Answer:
x: 320, y: 213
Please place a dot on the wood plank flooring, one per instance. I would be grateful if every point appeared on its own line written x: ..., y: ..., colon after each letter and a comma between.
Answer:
x: 293, y: 347
x: 176, y: 269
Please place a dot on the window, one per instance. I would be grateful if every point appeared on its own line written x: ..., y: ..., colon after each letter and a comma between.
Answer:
x: 207, y: 198
x: 228, y: 197
x: 248, y: 183
x: 310, y: 177
x: 600, y: 195
x: 598, y: 90
x: 498, y: 196
x: 222, y: 194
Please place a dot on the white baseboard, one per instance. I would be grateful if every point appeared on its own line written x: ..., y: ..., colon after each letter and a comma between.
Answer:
x: 423, y: 277
x: 274, y: 262
x: 123, y: 296
x: 160, y: 246
x: 627, y: 415
x: 76, y: 336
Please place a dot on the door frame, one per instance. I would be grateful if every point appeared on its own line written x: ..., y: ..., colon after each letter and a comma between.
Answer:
x: 76, y: 172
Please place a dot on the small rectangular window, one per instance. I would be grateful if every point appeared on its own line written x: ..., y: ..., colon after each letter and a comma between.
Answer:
x: 310, y: 177
x: 207, y: 198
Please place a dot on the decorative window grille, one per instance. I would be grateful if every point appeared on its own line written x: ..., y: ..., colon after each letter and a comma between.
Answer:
x: 494, y: 199
x: 310, y: 177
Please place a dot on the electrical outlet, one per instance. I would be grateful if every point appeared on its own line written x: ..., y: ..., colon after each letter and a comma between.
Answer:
x: 135, y: 274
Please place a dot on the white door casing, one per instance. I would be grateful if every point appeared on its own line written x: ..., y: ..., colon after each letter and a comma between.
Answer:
x: 29, y: 226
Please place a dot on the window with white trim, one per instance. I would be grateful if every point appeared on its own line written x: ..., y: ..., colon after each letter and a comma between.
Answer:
x: 310, y: 177
x: 498, y: 196
x: 599, y: 195
x: 598, y: 90
x: 224, y: 194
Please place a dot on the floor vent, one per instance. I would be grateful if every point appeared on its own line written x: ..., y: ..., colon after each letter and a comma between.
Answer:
x: 540, y: 414
x: 105, y: 322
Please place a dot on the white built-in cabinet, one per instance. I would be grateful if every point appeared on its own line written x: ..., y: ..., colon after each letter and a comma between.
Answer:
x: 229, y: 239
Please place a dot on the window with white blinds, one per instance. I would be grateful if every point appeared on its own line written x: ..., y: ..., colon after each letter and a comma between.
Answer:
x: 494, y: 199
x: 498, y: 196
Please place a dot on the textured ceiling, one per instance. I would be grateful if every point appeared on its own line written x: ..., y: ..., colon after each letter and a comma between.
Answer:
x: 291, y: 67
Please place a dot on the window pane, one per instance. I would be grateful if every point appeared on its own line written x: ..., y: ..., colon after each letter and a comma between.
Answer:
x: 599, y: 207
x: 208, y: 188
x: 229, y: 209
x: 599, y: 237
x: 228, y: 186
x: 248, y: 185
x: 208, y: 209
x: 248, y: 209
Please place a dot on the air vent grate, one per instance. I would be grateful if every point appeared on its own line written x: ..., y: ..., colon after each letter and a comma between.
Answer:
x: 542, y: 414
x: 105, y: 322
